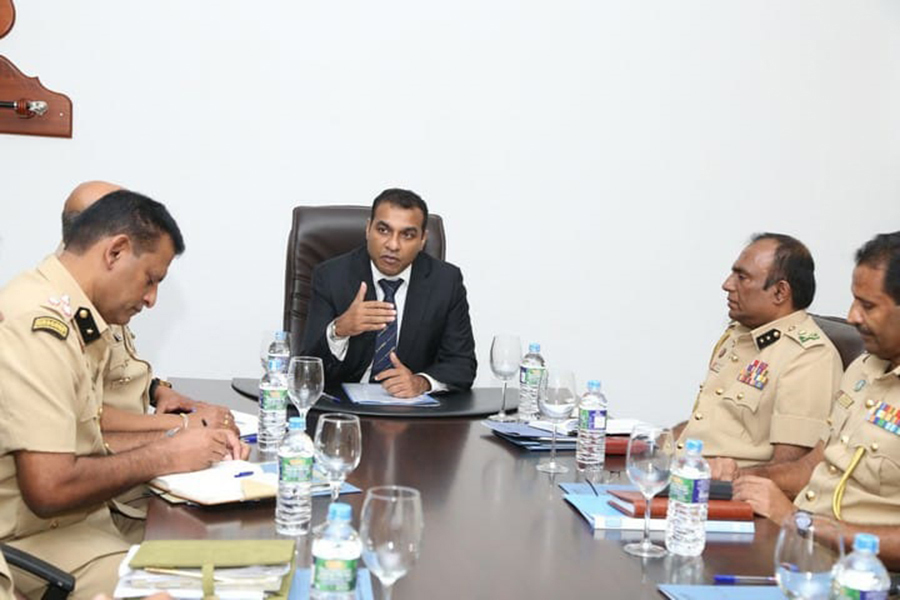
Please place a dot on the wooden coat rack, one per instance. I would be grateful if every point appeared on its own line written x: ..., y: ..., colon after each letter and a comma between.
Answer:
x: 26, y: 106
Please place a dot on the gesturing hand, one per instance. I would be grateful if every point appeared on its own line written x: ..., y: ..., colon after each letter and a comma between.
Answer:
x: 400, y: 382
x: 364, y: 315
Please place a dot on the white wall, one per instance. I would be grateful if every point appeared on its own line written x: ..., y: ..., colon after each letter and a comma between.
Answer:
x: 599, y: 164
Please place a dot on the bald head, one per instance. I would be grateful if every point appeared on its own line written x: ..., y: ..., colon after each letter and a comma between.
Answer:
x: 82, y: 197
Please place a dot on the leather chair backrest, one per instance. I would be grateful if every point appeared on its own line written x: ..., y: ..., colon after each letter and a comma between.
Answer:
x: 322, y: 232
x: 843, y: 335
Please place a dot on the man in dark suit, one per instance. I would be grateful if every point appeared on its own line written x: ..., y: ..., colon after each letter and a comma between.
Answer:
x: 388, y: 312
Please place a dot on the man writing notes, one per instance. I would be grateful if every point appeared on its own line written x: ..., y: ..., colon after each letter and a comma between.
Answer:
x: 57, y: 469
x: 773, y: 373
x: 389, y: 313
x: 853, y: 476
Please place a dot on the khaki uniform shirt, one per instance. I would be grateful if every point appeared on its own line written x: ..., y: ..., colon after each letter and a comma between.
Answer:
x: 54, y: 348
x: 126, y: 385
x: 770, y: 385
x: 6, y: 585
x: 864, y: 435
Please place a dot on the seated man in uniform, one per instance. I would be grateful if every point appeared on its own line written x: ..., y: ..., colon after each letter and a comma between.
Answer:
x: 390, y: 313
x: 129, y: 388
x: 853, y: 476
x: 57, y: 469
x: 773, y: 373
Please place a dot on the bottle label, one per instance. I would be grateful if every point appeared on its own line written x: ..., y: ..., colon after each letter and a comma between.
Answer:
x: 279, y: 362
x: 531, y: 376
x: 688, y: 491
x: 846, y: 593
x: 295, y: 469
x: 273, y: 399
x: 334, y: 575
x: 594, y: 420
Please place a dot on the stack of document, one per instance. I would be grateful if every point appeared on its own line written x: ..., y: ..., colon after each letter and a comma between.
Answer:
x: 372, y: 394
x: 251, y: 582
x: 599, y: 511
x: 530, y: 437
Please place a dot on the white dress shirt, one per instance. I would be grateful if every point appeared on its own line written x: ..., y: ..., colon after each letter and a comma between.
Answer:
x: 338, y: 345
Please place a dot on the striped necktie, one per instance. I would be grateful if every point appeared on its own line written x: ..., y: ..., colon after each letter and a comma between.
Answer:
x: 386, y: 339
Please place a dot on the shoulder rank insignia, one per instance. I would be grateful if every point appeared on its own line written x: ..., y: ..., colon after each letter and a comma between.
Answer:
x: 807, y: 336
x: 755, y: 374
x: 885, y: 416
x: 86, y: 325
x: 768, y: 338
x: 51, y: 325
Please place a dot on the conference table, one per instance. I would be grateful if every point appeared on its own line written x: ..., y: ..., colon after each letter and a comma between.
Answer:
x: 495, y: 527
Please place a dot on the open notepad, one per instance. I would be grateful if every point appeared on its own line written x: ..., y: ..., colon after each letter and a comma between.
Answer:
x: 372, y: 394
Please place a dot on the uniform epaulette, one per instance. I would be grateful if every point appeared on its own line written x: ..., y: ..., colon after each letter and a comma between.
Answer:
x: 86, y: 325
x: 806, y: 337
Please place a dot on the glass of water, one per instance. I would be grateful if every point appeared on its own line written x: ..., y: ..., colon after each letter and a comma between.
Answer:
x: 556, y: 402
x: 391, y: 532
x: 808, y: 548
x: 506, y: 354
x: 649, y: 463
x: 338, y: 448
x: 306, y: 382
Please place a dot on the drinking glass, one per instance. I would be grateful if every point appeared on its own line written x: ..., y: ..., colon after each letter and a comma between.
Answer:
x: 338, y: 448
x: 391, y: 532
x: 808, y: 548
x: 506, y: 354
x: 556, y: 402
x: 306, y: 382
x: 648, y: 463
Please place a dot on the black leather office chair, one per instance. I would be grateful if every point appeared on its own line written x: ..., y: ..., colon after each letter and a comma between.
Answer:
x: 59, y: 583
x: 322, y: 232
x: 843, y: 335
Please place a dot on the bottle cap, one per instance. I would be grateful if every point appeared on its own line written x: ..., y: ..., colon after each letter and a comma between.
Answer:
x: 866, y: 542
x: 281, y: 335
x: 296, y: 423
x: 534, y: 348
x: 339, y: 511
x: 694, y: 446
x: 593, y: 385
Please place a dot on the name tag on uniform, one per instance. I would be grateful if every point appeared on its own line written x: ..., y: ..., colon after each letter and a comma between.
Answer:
x: 885, y: 416
x: 755, y: 374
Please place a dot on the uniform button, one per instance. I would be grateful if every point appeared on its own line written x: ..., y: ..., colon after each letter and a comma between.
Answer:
x: 701, y: 387
x: 680, y: 445
x: 698, y: 416
x: 810, y: 495
x: 870, y: 403
x: 832, y: 469
x: 874, y: 446
x: 740, y: 396
x: 734, y: 358
x: 792, y: 327
x: 719, y: 391
x: 54, y: 524
x: 845, y: 439
x: 830, y: 421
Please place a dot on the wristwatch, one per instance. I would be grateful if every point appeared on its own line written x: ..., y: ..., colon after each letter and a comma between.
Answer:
x: 154, y: 384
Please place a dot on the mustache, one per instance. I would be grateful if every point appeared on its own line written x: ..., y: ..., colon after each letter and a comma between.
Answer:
x: 863, y: 330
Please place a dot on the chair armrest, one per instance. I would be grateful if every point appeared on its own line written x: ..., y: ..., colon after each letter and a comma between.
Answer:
x: 59, y: 583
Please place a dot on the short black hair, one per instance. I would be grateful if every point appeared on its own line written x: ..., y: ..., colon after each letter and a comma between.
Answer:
x: 794, y: 264
x: 67, y: 219
x: 883, y: 252
x: 143, y: 220
x: 403, y: 199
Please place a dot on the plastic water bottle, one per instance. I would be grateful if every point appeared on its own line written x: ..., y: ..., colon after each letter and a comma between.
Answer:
x: 335, y: 549
x: 293, y: 508
x: 688, y: 502
x: 590, y: 451
x: 273, y: 399
x: 860, y: 575
x: 280, y: 351
x: 532, y: 377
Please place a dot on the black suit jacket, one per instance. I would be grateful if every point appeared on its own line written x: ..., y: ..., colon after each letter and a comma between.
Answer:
x: 435, y: 333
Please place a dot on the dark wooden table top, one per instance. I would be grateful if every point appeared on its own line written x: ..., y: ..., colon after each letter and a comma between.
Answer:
x: 495, y: 527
